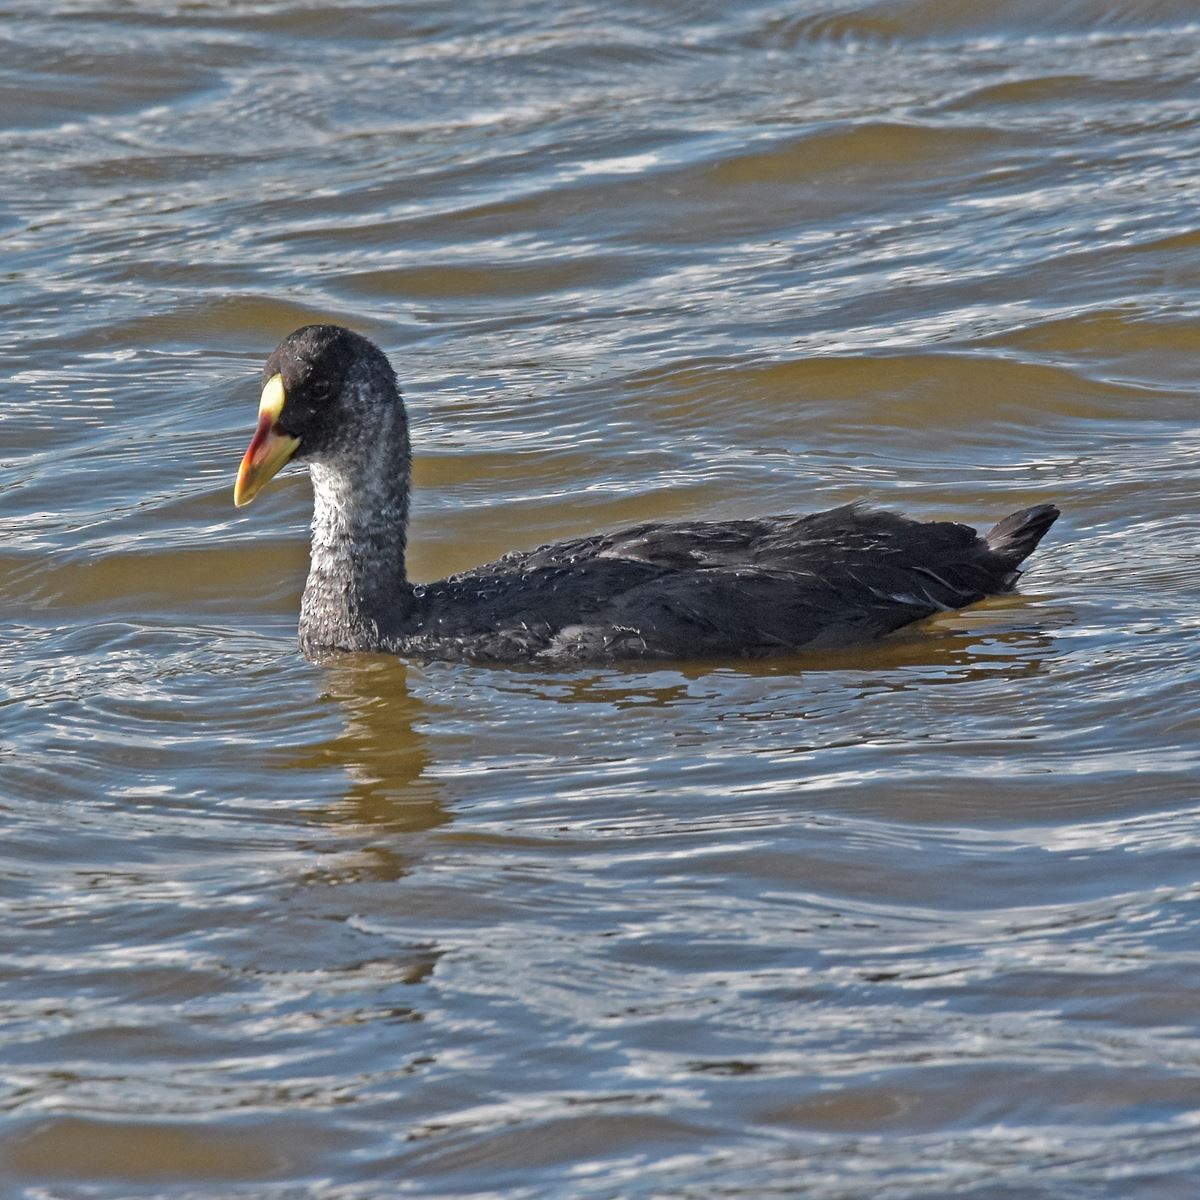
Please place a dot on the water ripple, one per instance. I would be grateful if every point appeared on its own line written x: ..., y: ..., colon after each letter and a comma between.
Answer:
x: 913, y: 920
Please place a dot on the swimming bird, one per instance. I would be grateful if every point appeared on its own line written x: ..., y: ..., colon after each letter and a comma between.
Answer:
x: 677, y: 590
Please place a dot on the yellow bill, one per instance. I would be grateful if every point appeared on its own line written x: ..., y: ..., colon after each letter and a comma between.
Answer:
x: 269, y: 449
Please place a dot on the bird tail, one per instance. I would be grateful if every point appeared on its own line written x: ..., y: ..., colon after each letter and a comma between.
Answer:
x: 1016, y: 537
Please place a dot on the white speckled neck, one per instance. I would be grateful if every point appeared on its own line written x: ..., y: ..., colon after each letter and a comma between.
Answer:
x: 357, y: 587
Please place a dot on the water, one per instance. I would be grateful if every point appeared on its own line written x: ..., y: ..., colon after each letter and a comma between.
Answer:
x: 916, y: 921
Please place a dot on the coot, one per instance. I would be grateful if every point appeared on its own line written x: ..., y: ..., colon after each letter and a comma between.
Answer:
x: 677, y: 590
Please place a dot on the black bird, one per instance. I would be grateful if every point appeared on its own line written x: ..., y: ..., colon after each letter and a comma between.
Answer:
x: 679, y: 590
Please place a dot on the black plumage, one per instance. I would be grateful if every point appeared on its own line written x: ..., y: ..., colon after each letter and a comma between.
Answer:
x: 696, y: 589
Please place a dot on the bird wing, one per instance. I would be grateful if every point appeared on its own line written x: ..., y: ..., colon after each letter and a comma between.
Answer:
x: 692, y: 589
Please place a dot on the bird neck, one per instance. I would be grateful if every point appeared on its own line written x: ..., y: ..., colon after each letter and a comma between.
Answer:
x: 357, y: 590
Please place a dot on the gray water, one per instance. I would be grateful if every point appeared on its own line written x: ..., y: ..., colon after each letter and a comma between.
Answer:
x: 912, y: 922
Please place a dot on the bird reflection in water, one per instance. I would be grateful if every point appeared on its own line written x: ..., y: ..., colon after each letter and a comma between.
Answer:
x: 389, y: 796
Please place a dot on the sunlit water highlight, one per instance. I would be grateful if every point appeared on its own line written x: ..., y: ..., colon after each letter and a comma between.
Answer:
x: 909, y: 922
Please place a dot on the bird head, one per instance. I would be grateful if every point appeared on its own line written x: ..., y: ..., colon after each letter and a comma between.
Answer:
x: 316, y: 396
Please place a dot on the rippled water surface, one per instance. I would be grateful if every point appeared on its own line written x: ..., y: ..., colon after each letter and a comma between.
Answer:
x: 917, y: 921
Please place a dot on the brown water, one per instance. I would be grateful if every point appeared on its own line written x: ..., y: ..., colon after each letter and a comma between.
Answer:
x: 920, y: 921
